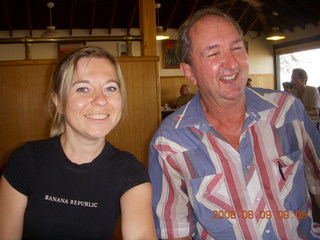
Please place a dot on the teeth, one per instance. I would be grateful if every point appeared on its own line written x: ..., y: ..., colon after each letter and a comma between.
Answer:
x: 229, y: 77
x: 97, y: 116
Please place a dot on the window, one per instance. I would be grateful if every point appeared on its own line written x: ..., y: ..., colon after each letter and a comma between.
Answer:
x: 308, y: 60
x: 298, y: 54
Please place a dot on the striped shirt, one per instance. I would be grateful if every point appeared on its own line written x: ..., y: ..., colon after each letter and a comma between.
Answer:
x: 203, y: 187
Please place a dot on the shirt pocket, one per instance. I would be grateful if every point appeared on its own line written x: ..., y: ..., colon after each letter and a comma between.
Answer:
x: 209, y: 196
x: 289, y: 172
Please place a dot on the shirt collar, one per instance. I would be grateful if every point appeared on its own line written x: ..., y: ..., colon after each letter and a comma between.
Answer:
x: 192, y: 113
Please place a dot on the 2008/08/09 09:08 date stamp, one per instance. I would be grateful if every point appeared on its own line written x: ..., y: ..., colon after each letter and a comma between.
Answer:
x: 259, y: 215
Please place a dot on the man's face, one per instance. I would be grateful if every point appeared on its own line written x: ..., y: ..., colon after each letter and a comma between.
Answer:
x: 219, y: 59
x: 184, y: 91
x: 296, y: 81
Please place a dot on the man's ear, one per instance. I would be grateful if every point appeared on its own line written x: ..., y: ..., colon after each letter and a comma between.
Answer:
x: 56, y: 102
x: 187, y: 71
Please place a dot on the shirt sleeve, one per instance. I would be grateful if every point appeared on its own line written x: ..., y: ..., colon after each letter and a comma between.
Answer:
x: 17, y: 169
x: 312, y: 155
x: 134, y: 174
x: 171, y: 205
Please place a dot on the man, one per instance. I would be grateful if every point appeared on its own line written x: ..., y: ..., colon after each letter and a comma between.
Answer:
x: 185, y: 96
x: 235, y: 162
x: 307, y: 94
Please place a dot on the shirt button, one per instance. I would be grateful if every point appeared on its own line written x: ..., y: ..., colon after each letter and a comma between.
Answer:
x: 248, y: 167
x: 267, y: 231
x: 257, y: 199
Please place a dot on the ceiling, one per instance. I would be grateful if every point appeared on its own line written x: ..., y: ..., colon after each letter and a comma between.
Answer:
x: 253, y: 15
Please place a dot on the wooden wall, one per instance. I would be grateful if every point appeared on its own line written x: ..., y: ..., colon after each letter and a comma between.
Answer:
x: 23, y: 115
x: 170, y: 85
x: 263, y: 81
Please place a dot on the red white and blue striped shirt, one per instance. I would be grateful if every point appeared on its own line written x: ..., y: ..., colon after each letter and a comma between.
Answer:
x: 203, y: 187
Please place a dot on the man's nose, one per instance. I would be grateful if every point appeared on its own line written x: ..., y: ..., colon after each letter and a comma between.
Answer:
x: 230, y: 60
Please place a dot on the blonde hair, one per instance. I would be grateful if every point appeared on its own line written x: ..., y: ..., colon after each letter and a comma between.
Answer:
x: 62, y: 80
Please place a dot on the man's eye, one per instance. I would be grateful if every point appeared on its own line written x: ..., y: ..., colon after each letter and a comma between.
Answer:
x: 213, y: 54
x: 238, y: 48
x: 82, y: 90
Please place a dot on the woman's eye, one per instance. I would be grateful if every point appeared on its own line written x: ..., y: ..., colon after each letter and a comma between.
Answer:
x: 111, y: 89
x: 82, y: 90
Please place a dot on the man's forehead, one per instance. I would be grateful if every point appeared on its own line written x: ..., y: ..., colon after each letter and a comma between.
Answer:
x: 213, y: 20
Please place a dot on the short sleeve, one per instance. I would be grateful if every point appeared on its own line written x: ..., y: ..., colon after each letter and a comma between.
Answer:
x: 18, y: 169
x: 134, y: 174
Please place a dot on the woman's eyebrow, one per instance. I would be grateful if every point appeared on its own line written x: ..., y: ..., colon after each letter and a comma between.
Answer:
x: 111, y: 80
x: 80, y: 81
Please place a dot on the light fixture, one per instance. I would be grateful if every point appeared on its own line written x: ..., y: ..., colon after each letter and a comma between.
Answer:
x: 275, y: 33
x: 161, y: 35
x: 51, y: 30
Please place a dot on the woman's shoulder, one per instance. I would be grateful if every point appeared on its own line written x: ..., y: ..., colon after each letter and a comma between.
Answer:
x: 115, y: 152
x: 32, y: 147
x: 123, y: 159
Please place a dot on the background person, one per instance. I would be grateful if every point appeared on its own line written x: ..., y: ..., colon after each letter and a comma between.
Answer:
x: 307, y: 94
x: 220, y: 164
x: 74, y: 185
x: 185, y: 96
x: 287, y: 86
x: 249, y: 82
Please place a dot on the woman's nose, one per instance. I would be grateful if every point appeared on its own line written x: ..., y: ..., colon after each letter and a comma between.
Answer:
x: 100, y: 99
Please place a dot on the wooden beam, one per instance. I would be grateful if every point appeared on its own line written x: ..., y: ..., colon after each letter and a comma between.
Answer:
x: 173, y: 12
x: 71, y: 17
x: 147, y: 19
x: 288, y: 20
x: 250, y: 26
x: 29, y: 17
x: 113, y: 15
x: 7, y: 16
x: 242, y: 15
x: 257, y: 5
x: 300, y: 16
x: 193, y: 7
x: 231, y: 6
x: 93, y: 13
x: 133, y: 15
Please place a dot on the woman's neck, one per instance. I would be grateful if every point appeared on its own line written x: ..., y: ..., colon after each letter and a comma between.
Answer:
x: 81, y: 151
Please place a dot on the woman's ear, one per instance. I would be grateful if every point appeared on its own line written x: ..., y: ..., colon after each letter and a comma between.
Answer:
x: 187, y: 71
x: 56, y: 102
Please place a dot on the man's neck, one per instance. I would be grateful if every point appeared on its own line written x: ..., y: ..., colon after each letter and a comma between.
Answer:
x: 227, y: 119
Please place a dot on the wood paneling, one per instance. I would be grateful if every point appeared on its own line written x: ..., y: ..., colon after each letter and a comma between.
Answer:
x: 170, y: 85
x: 263, y: 81
x: 170, y: 88
x: 23, y: 115
x: 134, y: 133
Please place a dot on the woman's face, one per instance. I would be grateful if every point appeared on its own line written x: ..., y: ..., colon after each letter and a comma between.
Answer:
x: 94, y: 104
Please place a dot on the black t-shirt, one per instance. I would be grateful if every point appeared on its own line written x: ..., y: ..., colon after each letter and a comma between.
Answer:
x: 70, y: 201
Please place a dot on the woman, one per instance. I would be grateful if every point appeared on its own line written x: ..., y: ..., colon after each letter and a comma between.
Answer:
x: 75, y: 184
